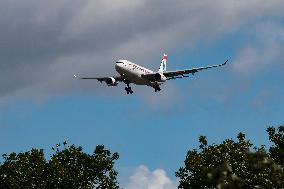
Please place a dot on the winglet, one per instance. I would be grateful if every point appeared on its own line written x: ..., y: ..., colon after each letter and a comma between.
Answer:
x: 225, y: 63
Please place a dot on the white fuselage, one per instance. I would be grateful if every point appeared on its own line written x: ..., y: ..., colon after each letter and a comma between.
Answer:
x: 132, y: 72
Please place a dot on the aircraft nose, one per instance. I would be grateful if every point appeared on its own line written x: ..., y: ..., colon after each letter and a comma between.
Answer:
x: 118, y: 65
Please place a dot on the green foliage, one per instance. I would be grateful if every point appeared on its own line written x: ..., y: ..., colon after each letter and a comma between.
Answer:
x: 23, y: 170
x: 277, y: 150
x: 68, y: 167
x: 233, y: 165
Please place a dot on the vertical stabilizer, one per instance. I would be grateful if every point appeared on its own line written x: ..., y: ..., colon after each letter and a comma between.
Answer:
x: 163, y: 66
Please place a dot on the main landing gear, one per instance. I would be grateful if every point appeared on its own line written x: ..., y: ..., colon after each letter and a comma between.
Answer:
x: 128, y: 89
x: 157, y: 88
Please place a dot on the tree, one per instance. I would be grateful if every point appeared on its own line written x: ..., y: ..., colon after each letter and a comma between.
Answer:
x: 277, y: 150
x: 23, y: 170
x: 230, y: 165
x: 68, y: 167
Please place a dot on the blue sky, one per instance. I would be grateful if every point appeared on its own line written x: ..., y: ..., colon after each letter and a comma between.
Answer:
x: 43, y: 105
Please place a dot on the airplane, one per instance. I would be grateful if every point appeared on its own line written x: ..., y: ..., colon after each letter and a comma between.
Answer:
x: 130, y: 72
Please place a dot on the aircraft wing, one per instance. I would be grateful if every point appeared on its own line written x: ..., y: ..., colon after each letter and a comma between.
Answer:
x: 172, y: 74
x: 101, y: 79
x: 181, y: 73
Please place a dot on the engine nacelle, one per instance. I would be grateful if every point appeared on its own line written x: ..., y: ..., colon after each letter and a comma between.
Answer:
x: 111, y: 81
x: 160, y: 77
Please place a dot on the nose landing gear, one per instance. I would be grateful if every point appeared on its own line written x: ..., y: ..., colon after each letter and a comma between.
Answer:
x: 128, y: 89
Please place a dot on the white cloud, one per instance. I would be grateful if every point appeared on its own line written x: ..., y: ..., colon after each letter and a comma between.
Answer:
x: 143, y: 178
x: 263, y: 50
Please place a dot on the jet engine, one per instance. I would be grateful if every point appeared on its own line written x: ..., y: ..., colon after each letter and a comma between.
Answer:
x: 160, y: 77
x: 111, y: 81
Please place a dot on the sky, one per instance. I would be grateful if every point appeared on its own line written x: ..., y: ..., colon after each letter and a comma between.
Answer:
x: 43, y: 43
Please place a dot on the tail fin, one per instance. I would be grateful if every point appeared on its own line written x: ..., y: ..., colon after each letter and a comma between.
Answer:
x: 163, y: 66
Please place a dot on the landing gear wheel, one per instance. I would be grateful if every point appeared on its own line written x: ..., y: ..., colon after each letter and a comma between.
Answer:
x: 128, y: 90
x: 157, y: 88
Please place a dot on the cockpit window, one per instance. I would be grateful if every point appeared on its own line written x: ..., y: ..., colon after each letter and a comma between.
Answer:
x: 119, y: 62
